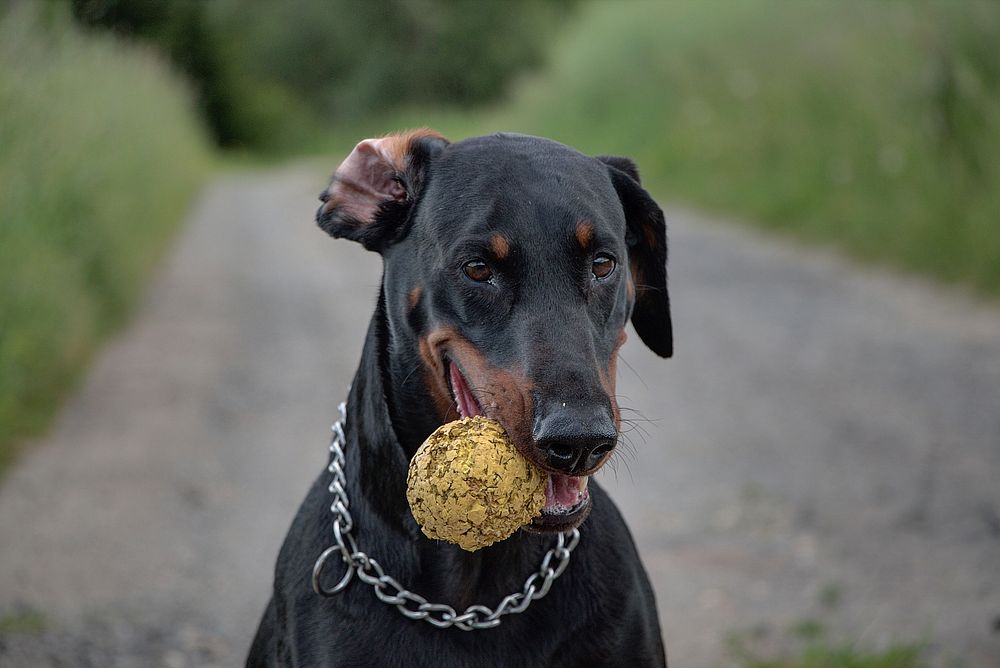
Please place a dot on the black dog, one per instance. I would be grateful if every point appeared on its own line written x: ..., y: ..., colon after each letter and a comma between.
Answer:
x: 511, y: 265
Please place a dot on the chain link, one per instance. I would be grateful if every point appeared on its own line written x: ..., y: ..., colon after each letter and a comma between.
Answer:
x: 389, y: 591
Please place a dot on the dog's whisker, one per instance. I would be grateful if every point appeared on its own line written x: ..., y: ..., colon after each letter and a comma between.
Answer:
x: 632, y: 369
x: 635, y: 426
x: 625, y: 453
x: 624, y: 397
x: 412, y: 371
x: 640, y: 415
x: 613, y: 464
x: 627, y: 446
x: 640, y: 430
x: 629, y: 469
x: 632, y: 419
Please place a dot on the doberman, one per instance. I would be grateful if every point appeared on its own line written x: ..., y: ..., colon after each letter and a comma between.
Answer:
x: 511, y: 266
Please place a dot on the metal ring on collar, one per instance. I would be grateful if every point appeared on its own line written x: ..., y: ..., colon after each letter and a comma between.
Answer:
x: 318, y: 572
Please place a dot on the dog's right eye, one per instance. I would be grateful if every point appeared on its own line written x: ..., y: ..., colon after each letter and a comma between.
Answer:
x: 478, y: 271
x: 602, y: 266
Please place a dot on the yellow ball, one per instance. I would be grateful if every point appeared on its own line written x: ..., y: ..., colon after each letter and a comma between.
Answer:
x: 469, y: 485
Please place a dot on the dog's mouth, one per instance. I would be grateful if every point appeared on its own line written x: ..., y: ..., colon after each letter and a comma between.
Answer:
x: 567, y: 499
x: 567, y: 504
x: 465, y: 400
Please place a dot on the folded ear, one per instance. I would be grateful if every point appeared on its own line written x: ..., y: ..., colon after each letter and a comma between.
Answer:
x: 646, y: 238
x: 371, y: 194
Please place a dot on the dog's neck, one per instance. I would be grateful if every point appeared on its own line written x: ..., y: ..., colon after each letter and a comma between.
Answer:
x: 377, y: 463
x: 381, y: 416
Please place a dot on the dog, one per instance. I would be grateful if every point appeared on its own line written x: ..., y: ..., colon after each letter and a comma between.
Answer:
x: 512, y: 265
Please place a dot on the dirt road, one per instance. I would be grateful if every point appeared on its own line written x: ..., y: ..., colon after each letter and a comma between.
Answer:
x: 825, y: 446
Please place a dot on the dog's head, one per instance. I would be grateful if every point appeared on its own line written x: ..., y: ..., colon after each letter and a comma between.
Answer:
x: 512, y: 265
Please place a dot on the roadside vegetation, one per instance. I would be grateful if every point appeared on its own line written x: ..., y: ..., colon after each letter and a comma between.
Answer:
x: 820, y: 655
x: 874, y: 127
x: 100, y: 155
x: 806, y: 645
x: 272, y: 77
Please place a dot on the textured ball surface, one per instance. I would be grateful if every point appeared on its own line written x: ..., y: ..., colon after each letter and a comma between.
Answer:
x: 469, y: 485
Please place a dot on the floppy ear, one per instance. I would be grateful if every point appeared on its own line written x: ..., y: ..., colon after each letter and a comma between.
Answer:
x: 372, y: 192
x: 646, y: 238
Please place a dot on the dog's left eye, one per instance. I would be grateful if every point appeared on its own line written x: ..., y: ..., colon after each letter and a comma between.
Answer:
x: 602, y: 266
x: 478, y: 271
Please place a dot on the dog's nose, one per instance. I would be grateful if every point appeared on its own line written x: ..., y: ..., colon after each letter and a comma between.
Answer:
x: 575, y: 440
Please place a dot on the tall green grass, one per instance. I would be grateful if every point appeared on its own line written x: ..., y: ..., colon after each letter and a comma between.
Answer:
x: 100, y: 154
x: 875, y: 126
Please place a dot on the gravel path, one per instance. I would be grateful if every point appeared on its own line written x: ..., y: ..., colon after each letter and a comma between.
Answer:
x: 825, y: 446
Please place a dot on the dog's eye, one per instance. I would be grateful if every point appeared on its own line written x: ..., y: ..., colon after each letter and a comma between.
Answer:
x: 602, y: 266
x: 478, y: 271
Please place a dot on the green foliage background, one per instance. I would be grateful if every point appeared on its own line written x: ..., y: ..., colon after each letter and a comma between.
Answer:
x: 100, y: 154
x: 871, y: 126
x: 272, y: 75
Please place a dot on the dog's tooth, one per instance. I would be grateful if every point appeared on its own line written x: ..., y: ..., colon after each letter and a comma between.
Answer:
x: 582, y: 482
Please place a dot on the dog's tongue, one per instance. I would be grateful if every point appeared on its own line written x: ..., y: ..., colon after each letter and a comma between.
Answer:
x: 467, y: 404
x: 564, y: 492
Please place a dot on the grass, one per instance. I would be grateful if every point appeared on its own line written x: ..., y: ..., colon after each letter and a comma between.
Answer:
x: 820, y: 655
x: 100, y: 155
x: 29, y: 621
x: 805, y: 646
x: 874, y: 127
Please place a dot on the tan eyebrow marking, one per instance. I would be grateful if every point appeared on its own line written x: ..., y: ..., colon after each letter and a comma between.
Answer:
x: 500, y: 246
x: 415, y: 294
x: 584, y: 233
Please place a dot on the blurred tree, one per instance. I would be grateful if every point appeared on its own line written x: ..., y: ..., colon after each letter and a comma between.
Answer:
x: 262, y: 66
x: 179, y: 28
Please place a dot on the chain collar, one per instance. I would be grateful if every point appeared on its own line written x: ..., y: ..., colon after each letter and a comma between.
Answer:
x: 389, y: 591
